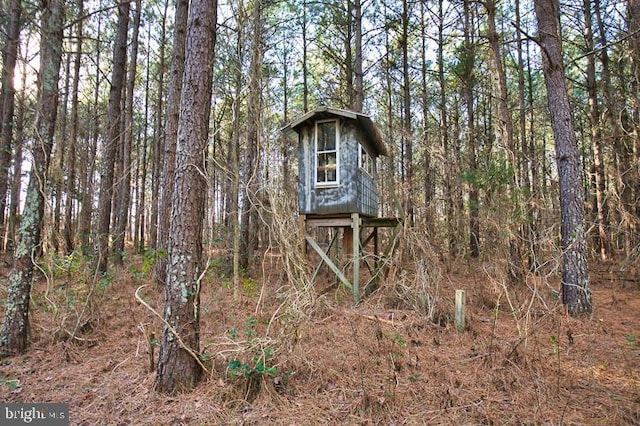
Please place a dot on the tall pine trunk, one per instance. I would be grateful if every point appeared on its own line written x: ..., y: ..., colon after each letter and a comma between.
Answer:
x: 449, y: 207
x: 171, y: 132
x: 60, y: 157
x: 249, y: 216
x: 158, y: 138
x: 407, y: 130
x: 576, y: 293
x: 234, y: 152
x: 428, y: 182
x: 70, y: 185
x: 305, y: 57
x: 144, y: 155
x: 602, y: 238
x: 505, y: 138
x: 15, y: 330
x: 112, y: 139
x: 124, y: 187
x: 468, y: 78
x: 16, y: 185
x: 358, y: 101
x: 178, y: 366
x: 527, y: 152
x: 89, y: 151
x: 7, y: 106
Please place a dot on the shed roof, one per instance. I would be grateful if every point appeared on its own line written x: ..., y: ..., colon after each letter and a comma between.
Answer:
x: 371, y: 131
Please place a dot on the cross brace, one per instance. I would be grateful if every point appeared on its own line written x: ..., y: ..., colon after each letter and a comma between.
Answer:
x: 354, y: 223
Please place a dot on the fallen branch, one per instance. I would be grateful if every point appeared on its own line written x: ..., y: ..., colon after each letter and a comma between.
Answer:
x: 171, y: 329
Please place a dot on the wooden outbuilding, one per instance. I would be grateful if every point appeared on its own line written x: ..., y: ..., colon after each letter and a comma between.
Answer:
x: 337, y: 169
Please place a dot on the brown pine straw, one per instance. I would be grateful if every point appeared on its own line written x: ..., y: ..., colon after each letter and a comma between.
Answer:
x: 382, y: 362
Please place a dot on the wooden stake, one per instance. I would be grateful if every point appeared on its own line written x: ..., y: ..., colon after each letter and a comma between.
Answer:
x: 460, y: 308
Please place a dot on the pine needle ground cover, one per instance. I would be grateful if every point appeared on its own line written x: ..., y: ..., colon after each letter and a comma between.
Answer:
x: 520, y: 360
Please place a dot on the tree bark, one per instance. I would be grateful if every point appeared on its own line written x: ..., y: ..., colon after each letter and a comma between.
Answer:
x: 305, y: 61
x: 634, y: 28
x: 429, y: 187
x: 388, y: 100
x: 358, y: 71
x: 234, y: 151
x: 612, y: 115
x: 444, y: 137
x: 602, y: 239
x: 468, y: 82
x: 158, y: 138
x: 576, y: 293
x: 14, y: 220
x: 7, y: 106
x: 348, y: 97
x: 124, y: 186
x: 171, y: 132
x: 626, y: 173
x: 527, y: 152
x: 73, y: 138
x: 89, y: 151
x: 112, y: 139
x: 60, y: 156
x: 144, y: 155
x: 407, y: 130
x: 178, y: 368
x: 15, y: 330
x: 249, y: 216
x: 505, y: 138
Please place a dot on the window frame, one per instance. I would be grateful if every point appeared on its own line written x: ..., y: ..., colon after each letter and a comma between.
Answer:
x: 317, y: 153
x: 369, y: 165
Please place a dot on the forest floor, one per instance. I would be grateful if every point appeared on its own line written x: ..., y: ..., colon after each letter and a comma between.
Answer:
x: 320, y: 360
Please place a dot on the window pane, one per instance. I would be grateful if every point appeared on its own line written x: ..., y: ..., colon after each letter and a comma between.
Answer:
x: 327, y: 152
x: 327, y: 167
x: 366, y: 161
x: 327, y: 136
x: 331, y: 159
x: 322, y: 161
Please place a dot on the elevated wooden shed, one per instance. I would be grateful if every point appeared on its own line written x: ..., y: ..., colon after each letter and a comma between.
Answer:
x: 337, y: 154
x: 337, y: 168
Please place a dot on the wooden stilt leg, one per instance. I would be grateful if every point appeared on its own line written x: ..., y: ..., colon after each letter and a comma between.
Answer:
x: 302, y: 229
x: 347, y: 241
x: 355, y: 284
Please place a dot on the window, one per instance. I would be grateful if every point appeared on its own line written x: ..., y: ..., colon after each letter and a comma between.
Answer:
x: 327, y: 160
x: 365, y: 161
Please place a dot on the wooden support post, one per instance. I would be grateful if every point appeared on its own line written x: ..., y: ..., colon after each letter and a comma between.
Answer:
x: 355, y: 284
x: 460, y: 310
x: 302, y: 229
x: 375, y: 241
x: 336, y: 250
x: 347, y: 241
x: 376, y: 259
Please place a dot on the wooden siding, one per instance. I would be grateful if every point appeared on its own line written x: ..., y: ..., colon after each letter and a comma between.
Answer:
x: 356, y: 192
